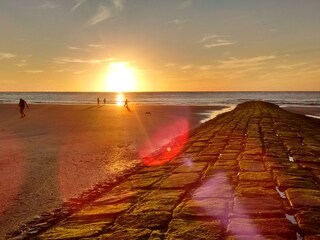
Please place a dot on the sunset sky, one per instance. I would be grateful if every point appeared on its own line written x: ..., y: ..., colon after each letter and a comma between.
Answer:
x: 167, y: 45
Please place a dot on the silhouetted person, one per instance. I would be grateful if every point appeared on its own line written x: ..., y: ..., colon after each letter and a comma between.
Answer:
x: 104, y: 101
x: 98, y: 101
x: 126, y: 103
x: 22, y: 104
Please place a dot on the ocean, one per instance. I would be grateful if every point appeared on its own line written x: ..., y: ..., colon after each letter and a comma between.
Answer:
x: 165, y: 98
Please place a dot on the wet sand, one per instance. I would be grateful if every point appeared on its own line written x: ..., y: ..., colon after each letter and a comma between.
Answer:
x: 58, y: 151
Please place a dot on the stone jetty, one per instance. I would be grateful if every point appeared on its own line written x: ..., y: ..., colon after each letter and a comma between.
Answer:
x: 252, y: 173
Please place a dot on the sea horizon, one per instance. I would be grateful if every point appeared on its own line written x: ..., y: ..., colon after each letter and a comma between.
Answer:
x: 195, y: 98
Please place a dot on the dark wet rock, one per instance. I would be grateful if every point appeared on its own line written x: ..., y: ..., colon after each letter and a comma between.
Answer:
x: 248, y: 191
x: 258, y: 206
x: 180, y: 180
x: 189, y: 230
x: 211, y: 208
x: 102, y: 211
x: 269, y: 226
x: 312, y: 237
x: 127, y: 234
x: 118, y: 196
x: 250, y: 166
x: 256, y: 237
x: 75, y: 229
x: 308, y: 221
x: 191, y: 167
x: 212, y: 188
x: 300, y: 198
x: 139, y: 183
x: 150, y: 220
x: 255, y: 176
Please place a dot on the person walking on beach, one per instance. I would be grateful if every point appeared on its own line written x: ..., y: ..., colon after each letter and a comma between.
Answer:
x: 104, y: 101
x: 98, y: 101
x: 22, y: 104
x: 126, y: 103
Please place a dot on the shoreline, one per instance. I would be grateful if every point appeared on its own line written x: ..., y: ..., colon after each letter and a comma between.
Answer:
x: 310, y: 111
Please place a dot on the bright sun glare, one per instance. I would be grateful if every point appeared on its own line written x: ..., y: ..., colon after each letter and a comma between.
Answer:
x: 120, y: 77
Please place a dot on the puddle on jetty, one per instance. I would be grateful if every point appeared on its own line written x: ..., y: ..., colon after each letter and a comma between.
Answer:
x: 291, y: 218
x: 290, y: 158
x: 281, y: 194
x: 313, y: 116
x: 212, y: 114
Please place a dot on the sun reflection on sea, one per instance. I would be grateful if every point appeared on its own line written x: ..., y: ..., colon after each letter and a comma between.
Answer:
x: 120, y: 99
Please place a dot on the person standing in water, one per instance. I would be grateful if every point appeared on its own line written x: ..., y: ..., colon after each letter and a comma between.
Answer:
x: 22, y: 105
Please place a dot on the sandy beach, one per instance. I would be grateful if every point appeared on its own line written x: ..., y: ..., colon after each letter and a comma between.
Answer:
x: 58, y: 151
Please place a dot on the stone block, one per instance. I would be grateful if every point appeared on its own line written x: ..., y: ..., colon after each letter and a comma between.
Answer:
x: 308, y: 221
x: 189, y: 230
x: 127, y: 234
x: 258, y: 206
x: 255, y: 176
x: 181, y: 180
x: 303, y: 198
x: 267, y: 226
x: 251, y: 166
x: 75, y: 230
x: 150, y: 220
x: 214, y: 208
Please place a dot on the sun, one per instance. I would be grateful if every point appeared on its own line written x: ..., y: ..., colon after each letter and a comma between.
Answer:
x: 120, y: 77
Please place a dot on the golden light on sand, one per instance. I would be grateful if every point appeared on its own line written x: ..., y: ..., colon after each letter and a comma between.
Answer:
x: 121, y: 77
x: 120, y: 99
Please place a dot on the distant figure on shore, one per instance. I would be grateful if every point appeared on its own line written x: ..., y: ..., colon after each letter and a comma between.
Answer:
x: 98, y: 101
x: 126, y: 103
x: 104, y: 101
x: 22, y: 104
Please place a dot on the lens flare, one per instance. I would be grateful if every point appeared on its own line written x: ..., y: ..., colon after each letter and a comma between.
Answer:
x: 158, y: 151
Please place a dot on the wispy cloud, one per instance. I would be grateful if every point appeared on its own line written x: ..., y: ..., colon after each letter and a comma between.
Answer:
x: 48, y: 5
x: 211, y: 41
x: 78, y: 4
x: 185, y: 4
x: 118, y: 4
x: 73, y: 48
x: 245, y: 62
x: 65, y: 60
x: 237, y: 65
x: 93, y: 45
x: 104, y: 12
x: 170, y: 64
x: 21, y: 63
x: 33, y: 71
x: 6, y: 55
x: 187, y: 67
x: 178, y: 21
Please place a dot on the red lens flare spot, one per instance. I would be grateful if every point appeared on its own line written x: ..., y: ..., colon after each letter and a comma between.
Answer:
x: 158, y: 151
